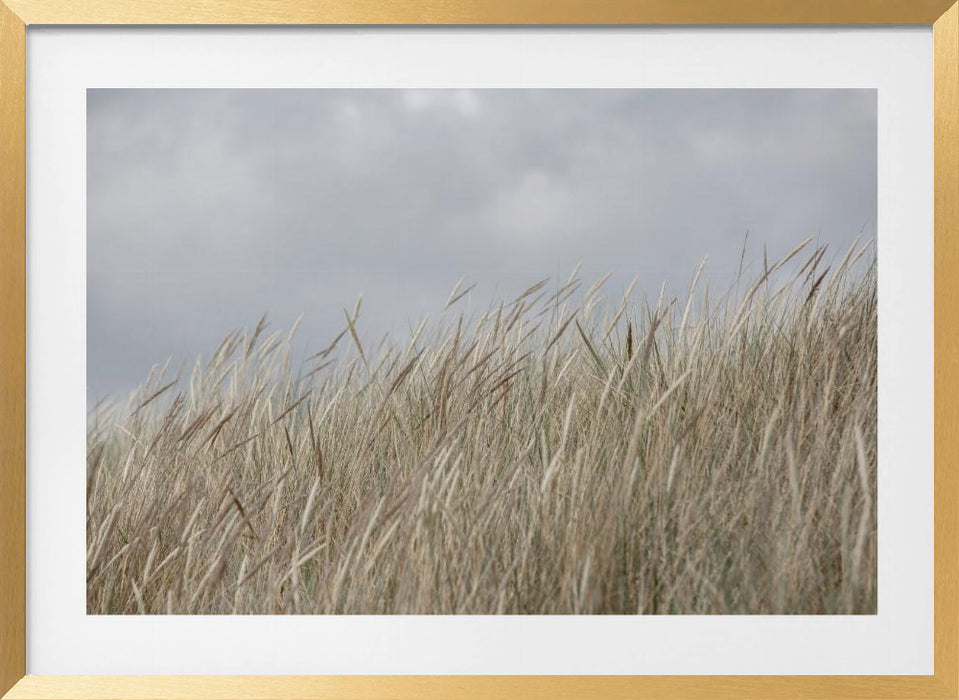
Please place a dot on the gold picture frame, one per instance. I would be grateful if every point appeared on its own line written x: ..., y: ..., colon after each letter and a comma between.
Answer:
x: 16, y: 15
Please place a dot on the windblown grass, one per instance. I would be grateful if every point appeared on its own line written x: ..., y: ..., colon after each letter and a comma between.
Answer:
x: 556, y: 454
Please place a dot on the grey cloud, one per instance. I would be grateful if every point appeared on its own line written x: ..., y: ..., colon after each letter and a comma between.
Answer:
x: 207, y: 208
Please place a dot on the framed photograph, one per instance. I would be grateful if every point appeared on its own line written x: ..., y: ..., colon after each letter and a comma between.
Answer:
x: 479, y: 350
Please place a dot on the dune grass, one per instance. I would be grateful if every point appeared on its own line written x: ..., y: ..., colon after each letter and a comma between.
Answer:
x: 555, y: 454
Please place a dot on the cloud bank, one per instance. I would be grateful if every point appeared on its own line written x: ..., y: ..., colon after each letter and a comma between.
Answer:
x: 207, y: 208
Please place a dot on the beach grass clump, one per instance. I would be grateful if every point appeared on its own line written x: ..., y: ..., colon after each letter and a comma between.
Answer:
x: 556, y: 453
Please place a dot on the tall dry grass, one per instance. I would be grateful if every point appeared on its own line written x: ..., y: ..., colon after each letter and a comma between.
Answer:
x: 553, y: 455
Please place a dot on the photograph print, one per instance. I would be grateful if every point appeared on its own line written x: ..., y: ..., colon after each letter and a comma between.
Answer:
x: 481, y: 352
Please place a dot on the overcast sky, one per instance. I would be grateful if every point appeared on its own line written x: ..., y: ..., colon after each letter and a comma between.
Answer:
x: 207, y: 208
